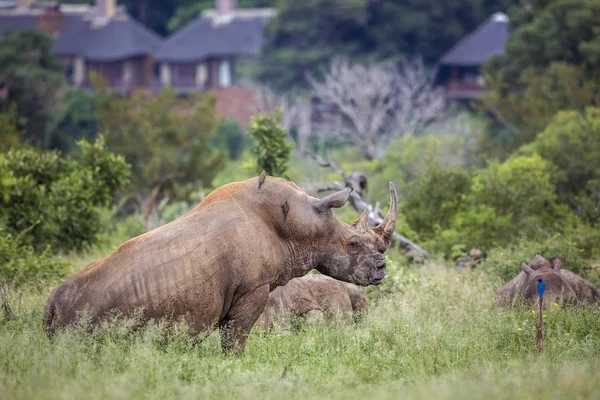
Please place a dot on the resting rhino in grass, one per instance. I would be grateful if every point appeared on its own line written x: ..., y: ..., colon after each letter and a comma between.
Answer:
x: 313, y: 297
x: 216, y: 265
x: 561, y: 285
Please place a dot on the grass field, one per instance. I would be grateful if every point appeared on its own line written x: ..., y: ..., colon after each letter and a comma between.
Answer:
x: 434, y: 335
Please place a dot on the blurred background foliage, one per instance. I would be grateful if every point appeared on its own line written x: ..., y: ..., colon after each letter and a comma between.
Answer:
x: 515, y: 172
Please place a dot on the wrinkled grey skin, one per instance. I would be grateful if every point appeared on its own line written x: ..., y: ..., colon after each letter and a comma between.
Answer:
x: 313, y: 297
x: 215, y: 266
x: 562, y: 286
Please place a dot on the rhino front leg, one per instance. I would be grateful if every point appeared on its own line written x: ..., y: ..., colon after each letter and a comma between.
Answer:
x: 242, y: 316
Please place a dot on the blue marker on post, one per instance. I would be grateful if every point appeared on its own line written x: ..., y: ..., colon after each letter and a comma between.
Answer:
x: 540, y: 325
x: 541, y: 287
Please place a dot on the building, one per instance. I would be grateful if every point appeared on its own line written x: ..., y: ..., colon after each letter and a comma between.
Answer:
x: 104, y: 39
x: 204, y: 54
x: 101, y: 38
x: 460, y: 68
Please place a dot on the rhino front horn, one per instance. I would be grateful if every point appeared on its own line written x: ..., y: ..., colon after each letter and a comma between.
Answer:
x: 335, y: 200
x: 388, y: 225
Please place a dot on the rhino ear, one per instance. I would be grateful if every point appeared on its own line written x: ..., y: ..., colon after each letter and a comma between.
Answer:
x: 556, y: 263
x: 335, y: 200
x: 526, y: 268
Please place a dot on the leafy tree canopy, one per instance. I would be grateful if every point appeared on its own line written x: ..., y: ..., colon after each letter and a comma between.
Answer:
x: 165, y: 139
x: 306, y: 35
x: 33, y: 78
x: 271, y: 145
x: 551, y: 63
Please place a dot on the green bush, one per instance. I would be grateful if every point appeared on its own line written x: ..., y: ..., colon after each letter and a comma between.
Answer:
x: 503, y: 203
x: 571, y: 144
x: 54, y: 201
x: 434, y: 198
x: 20, y: 263
x: 234, y: 136
x: 505, y: 262
x: 74, y: 120
x: 271, y: 145
x: 519, y: 187
x: 10, y: 133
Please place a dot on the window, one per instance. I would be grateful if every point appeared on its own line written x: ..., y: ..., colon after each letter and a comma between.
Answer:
x: 225, y: 73
x: 183, y: 76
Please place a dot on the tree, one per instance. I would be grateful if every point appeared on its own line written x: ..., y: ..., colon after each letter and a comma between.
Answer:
x: 192, y: 9
x: 270, y: 143
x: 10, y: 133
x: 33, y: 78
x: 571, y: 144
x: 434, y: 198
x: 49, y: 201
x: 75, y: 119
x: 370, y: 106
x: 306, y: 35
x: 169, y: 142
x: 426, y: 28
x: 551, y: 63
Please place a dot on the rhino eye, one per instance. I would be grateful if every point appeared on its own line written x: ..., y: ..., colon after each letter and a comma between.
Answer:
x: 353, y: 241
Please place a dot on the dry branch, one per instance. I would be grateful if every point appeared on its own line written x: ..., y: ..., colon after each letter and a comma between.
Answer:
x: 5, y: 303
x: 358, y: 182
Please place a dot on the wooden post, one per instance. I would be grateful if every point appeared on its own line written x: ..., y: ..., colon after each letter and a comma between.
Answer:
x: 540, y: 328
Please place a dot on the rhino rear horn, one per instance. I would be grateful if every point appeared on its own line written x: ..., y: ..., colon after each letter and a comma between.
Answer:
x: 336, y: 200
x: 388, y: 225
x: 362, y: 223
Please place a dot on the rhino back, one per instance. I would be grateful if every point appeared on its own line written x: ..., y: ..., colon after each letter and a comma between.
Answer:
x: 585, y: 290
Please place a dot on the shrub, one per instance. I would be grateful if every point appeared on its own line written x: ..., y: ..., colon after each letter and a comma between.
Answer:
x: 74, y: 120
x: 571, y: 144
x: 505, y: 262
x: 53, y: 201
x: 20, y: 263
x: 505, y: 202
x: 169, y: 142
x: 271, y: 145
x: 234, y: 136
x: 434, y: 198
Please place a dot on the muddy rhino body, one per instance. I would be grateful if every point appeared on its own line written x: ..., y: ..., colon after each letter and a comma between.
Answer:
x: 216, y: 265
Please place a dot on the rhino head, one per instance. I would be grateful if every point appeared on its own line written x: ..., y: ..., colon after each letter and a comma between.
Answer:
x: 557, y: 288
x: 352, y: 253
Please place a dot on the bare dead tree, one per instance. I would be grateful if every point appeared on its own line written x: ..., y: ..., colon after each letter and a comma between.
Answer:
x: 358, y: 182
x: 371, y: 105
x: 297, y: 113
x: 418, y: 101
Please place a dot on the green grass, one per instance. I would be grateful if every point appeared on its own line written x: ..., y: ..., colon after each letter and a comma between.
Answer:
x: 430, y: 333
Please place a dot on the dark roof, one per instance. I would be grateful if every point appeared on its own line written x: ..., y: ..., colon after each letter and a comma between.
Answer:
x: 203, y: 38
x: 120, y: 38
x: 17, y: 22
x: 475, y: 48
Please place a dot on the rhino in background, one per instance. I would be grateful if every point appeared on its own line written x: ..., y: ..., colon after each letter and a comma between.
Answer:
x: 472, y: 259
x: 215, y: 266
x: 561, y: 285
x: 313, y: 297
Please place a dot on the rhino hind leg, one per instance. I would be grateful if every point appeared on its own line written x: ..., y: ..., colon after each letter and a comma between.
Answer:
x: 240, y: 319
